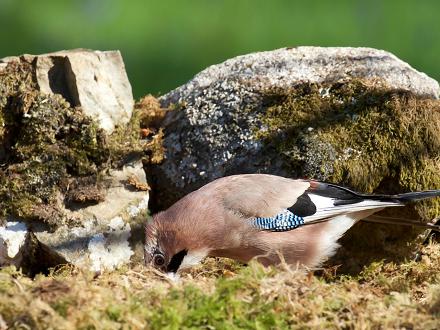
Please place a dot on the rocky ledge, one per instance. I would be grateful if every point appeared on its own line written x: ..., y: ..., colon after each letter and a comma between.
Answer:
x: 78, y: 159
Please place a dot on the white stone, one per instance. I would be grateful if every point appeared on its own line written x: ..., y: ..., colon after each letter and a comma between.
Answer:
x: 111, y: 249
x: 12, y: 238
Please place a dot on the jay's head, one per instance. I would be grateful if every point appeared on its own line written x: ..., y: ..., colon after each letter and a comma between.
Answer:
x: 170, y: 245
x: 180, y: 237
x: 163, y: 249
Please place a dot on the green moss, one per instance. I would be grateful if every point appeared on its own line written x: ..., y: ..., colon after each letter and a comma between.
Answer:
x: 125, y: 141
x: 48, y: 148
x: 366, y: 137
x: 383, y: 295
x: 150, y: 112
x: 145, y: 123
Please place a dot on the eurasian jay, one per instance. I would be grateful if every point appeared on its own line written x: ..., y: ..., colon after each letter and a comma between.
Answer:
x: 263, y: 217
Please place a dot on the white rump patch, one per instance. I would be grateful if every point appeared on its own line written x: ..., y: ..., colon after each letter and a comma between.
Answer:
x: 334, y: 230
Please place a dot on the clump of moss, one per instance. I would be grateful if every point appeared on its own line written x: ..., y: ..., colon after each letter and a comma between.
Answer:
x: 150, y: 116
x: 150, y: 112
x: 51, y: 153
x: 44, y: 141
x: 367, y: 137
x: 143, y: 135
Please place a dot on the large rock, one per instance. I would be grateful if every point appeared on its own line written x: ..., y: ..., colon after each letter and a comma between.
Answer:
x: 72, y: 184
x: 94, y: 80
x: 355, y: 116
x: 289, y: 66
x: 220, y: 111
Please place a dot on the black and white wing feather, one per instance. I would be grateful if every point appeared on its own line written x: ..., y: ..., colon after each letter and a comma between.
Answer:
x: 325, y: 201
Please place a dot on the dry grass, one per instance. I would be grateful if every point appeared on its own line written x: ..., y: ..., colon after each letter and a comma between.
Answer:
x: 221, y: 294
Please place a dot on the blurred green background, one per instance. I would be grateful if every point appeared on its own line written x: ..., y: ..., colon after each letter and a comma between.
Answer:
x: 165, y: 43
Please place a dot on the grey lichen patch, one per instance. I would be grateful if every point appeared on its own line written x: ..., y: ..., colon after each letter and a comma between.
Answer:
x: 369, y: 138
x: 207, y: 135
x: 318, y: 156
x: 48, y: 148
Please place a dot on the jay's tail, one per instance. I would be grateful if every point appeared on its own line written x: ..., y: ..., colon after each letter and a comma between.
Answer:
x: 344, y: 195
x: 406, y: 197
x: 403, y: 199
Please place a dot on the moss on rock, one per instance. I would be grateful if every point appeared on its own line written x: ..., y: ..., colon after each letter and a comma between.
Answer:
x: 360, y: 135
x: 366, y: 137
x: 51, y: 152
x: 151, y: 115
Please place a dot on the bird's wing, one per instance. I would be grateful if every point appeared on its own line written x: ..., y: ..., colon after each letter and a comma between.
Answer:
x: 280, y: 204
x: 259, y: 195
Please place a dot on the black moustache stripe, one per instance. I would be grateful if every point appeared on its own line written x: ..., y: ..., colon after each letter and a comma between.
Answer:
x: 176, y: 261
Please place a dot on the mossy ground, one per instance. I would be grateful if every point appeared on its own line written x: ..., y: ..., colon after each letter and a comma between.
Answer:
x: 221, y: 294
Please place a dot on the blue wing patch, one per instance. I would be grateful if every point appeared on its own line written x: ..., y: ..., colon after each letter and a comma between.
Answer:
x: 284, y: 221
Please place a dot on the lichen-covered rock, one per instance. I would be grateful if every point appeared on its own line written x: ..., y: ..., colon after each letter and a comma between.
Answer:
x: 231, y: 116
x: 284, y: 67
x: 106, y: 236
x: 94, y: 80
x: 45, y: 143
x: 354, y: 116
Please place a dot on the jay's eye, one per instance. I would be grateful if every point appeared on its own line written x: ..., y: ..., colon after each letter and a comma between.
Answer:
x: 159, y: 260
